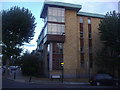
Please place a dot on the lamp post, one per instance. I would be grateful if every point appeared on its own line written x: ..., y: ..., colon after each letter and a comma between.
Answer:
x: 62, y: 71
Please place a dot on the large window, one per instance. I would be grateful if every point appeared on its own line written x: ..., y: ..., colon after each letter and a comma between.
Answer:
x: 56, y: 14
x: 56, y: 28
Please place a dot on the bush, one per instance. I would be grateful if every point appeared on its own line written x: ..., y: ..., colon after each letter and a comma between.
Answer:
x: 30, y: 65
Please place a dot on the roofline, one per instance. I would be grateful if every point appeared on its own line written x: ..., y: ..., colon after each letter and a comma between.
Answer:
x: 76, y: 7
x: 91, y: 14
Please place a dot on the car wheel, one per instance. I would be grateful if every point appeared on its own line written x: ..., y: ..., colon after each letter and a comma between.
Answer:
x: 98, y: 83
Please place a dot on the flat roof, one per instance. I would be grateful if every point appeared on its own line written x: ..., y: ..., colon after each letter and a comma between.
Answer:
x: 76, y: 7
x: 90, y: 14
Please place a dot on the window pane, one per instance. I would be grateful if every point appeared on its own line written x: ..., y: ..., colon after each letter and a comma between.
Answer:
x: 54, y: 11
x: 45, y: 31
x: 63, y: 19
x: 54, y: 18
x: 54, y: 28
x: 62, y: 28
x: 50, y: 18
x: 49, y: 28
x: 59, y: 12
x: 89, y: 21
x: 81, y: 20
x: 58, y: 48
x: 56, y: 14
x: 50, y: 11
x: 62, y: 12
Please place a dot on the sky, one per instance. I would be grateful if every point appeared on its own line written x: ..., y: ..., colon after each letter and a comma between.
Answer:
x: 35, y: 6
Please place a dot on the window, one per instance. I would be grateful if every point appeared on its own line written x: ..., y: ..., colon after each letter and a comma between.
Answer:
x: 56, y: 14
x: 90, y: 61
x: 56, y: 28
x: 89, y: 28
x: 90, y: 49
x: 90, y: 43
x: 81, y: 49
x: 90, y: 36
x: 57, y: 64
x: 58, y: 48
x: 81, y: 30
x: 81, y: 27
x: 81, y: 42
x: 89, y: 21
x: 45, y: 31
x: 82, y: 60
x: 81, y: 34
x: 81, y: 20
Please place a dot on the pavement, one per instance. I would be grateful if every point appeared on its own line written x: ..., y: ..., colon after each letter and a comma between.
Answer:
x: 25, y: 79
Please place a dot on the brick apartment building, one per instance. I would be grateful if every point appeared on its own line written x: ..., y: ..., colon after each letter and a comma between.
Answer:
x: 68, y: 36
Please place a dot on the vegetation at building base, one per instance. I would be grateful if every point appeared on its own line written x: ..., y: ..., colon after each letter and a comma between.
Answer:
x: 31, y: 65
x: 18, y: 25
x: 108, y: 58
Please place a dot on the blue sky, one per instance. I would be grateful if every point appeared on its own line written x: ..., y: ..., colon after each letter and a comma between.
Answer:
x: 93, y: 6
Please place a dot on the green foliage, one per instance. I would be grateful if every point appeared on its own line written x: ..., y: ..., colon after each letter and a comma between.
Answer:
x: 107, y: 58
x: 18, y: 25
x: 105, y: 61
x: 30, y: 65
x: 110, y: 34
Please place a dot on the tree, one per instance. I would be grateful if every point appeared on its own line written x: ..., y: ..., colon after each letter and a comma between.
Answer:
x: 18, y: 27
x: 30, y: 65
x: 110, y: 35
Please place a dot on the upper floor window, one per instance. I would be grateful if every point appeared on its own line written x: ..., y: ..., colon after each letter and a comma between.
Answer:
x: 56, y: 28
x: 56, y: 14
x: 89, y: 21
x: 81, y: 20
x: 81, y: 35
x: 81, y: 27
x: 89, y: 28
x: 90, y: 36
x: 82, y: 49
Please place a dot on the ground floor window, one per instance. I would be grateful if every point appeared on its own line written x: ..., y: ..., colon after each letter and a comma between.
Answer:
x: 57, y: 64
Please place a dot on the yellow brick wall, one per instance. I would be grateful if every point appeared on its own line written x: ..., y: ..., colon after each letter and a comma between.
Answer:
x: 96, y: 44
x: 71, y: 43
x: 71, y: 53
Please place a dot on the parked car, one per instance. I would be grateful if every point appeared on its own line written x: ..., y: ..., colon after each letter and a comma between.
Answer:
x: 104, y: 79
x: 13, y: 67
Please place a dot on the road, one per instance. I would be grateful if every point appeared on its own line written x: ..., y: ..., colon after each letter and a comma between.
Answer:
x: 12, y: 84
